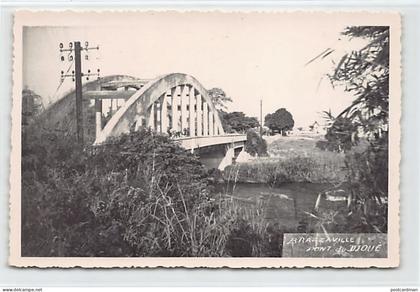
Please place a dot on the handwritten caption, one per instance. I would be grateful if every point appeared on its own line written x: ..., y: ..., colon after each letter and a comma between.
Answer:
x: 335, y: 245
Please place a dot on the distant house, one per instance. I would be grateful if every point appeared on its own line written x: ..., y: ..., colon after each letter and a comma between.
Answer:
x: 316, y: 128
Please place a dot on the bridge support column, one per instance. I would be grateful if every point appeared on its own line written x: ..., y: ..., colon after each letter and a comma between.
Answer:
x: 227, y: 160
x: 192, y: 111
x: 98, y: 117
x: 205, y: 119
x: 174, y: 106
x: 199, y: 116
x: 158, y: 116
x: 211, y: 124
x: 184, y: 102
x: 164, y: 113
x: 151, y: 122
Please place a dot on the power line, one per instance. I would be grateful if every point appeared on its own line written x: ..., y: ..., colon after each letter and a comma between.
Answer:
x: 62, y: 80
x: 77, y: 75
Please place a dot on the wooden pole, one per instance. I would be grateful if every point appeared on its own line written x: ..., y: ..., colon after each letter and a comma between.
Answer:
x: 79, y: 97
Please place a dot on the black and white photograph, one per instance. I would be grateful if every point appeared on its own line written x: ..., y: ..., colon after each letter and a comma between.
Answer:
x: 205, y: 139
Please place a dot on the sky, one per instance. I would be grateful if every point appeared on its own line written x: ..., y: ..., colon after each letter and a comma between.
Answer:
x: 250, y: 56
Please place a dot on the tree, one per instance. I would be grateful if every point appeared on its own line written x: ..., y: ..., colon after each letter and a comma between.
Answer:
x: 281, y: 121
x: 237, y: 121
x: 31, y: 106
x: 219, y: 98
x: 365, y: 73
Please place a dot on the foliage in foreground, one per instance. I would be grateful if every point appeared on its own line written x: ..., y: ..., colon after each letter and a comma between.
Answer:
x: 365, y: 73
x: 138, y: 195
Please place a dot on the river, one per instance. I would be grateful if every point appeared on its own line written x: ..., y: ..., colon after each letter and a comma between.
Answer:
x: 285, y: 205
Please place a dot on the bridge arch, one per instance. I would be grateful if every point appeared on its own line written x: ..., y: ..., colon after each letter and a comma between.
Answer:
x: 174, y: 102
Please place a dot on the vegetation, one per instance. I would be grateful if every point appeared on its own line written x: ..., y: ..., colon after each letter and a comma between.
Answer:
x: 143, y: 195
x: 232, y: 122
x: 255, y: 144
x: 295, y: 154
x: 280, y: 121
x: 340, y: 136
x: 32, y: 106
x: 365, y: 73
x: 219, y: 98
x: 275, y: 172
x: 237, y: 122
x: 138, y: 195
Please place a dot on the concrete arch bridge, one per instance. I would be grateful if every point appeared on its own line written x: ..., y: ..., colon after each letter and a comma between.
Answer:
x: 174, y: 104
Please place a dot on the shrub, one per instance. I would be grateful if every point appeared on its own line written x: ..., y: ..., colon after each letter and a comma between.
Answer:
x: 366, y: 169
x: 137, y: 195
x: 83, y: 198
x: 368, y: 178
x: 255, y: 144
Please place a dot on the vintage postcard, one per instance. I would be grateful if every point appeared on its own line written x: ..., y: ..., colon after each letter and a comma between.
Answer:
x: 255, y: 139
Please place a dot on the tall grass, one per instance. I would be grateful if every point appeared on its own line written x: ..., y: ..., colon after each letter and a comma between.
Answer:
x: 292, y: 169
x: 292, y: 159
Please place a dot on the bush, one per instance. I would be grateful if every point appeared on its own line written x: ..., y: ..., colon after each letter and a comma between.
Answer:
x: 255, y: 145
x: 85, y: 199
x: 366, y: 168
x: 137, y: 195
x: 368, y: 178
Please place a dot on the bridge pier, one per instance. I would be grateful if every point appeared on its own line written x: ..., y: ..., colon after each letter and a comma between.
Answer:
x: 227, y: 159
x: 219, y: 156
x: 215, y: 152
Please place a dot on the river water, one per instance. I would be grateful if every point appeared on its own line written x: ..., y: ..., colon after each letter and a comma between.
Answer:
x: 285, y: 205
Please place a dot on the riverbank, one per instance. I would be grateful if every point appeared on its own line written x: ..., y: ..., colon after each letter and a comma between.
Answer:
x: 291, y: 159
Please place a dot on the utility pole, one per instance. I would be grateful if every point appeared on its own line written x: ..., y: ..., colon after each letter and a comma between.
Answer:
x: 261, y: 119
x: 76, y: 76
x: 79, y: 97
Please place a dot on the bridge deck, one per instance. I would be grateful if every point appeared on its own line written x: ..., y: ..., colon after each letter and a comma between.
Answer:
x: 204, y: 141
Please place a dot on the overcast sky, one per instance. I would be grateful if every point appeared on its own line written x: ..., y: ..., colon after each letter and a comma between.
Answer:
x: 250, y: 56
